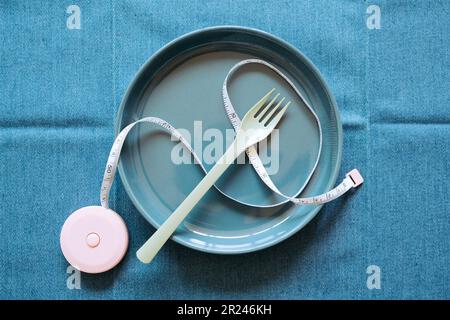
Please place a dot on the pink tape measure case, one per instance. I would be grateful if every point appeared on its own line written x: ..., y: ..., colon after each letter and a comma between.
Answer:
x: 94, y: 239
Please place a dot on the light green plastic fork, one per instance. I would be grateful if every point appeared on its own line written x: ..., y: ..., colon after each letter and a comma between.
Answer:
x: 256, y: 125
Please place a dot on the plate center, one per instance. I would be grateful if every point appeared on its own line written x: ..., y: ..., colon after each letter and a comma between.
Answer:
x: 189, y: 96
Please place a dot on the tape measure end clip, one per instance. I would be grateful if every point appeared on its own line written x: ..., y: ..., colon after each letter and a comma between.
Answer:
x: 356, y: 177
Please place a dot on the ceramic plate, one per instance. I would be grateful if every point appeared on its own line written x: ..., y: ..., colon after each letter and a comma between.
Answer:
x: 182, y: 83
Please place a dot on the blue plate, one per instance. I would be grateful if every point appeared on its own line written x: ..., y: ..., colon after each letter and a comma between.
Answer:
x: 181, y: 83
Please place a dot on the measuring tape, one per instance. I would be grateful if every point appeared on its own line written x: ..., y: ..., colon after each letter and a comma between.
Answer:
x: 352, y: 179
x: 79, y: 240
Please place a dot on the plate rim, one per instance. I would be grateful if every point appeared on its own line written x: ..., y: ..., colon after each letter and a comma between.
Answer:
x: 308, y: 63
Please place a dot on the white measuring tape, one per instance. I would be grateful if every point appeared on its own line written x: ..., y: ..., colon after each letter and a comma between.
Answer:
x: 352, y: 179
x: 94, y: 238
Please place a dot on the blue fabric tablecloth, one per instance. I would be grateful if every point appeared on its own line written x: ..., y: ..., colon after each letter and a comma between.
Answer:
x: 60, y: 89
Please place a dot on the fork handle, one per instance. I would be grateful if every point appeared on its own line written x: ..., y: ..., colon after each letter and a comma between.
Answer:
x: 151, y: 247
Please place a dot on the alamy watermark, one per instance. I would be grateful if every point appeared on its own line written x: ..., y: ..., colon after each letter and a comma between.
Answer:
x: 73, y: 21
x: 74, y: 279
x: 374, y: 19
x: 211, y: 144
x: 374, y: 277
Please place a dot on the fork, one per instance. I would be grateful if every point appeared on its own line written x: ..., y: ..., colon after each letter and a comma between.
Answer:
x: 256, y: 125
